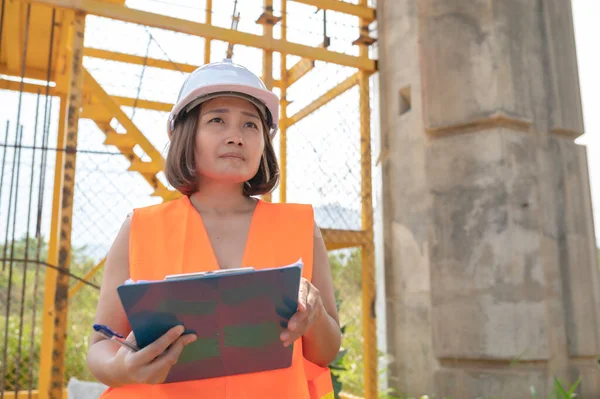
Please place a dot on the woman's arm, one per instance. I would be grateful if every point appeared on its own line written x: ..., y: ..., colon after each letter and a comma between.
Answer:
x: 111, y: 363
x: 322, y: 340
x: 110, y: 310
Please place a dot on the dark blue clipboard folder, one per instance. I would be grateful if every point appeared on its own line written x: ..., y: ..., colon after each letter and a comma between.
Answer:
x: 238, y: 317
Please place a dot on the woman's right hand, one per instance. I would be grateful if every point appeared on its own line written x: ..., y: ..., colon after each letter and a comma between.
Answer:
x: 152, y: 364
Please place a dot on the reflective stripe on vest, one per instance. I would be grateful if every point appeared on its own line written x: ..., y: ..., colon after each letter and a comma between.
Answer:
x: 170, y: 238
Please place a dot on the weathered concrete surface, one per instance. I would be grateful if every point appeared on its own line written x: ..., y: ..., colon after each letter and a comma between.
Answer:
x: 472, y: 382
x: 491, y: 267
x: 487, y: 286
x: 406, y: 204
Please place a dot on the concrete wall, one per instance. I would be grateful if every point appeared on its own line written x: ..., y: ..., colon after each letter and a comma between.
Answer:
x: 491, y: 267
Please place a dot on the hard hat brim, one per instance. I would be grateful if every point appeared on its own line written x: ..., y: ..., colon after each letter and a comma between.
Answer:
x: 265, y: 97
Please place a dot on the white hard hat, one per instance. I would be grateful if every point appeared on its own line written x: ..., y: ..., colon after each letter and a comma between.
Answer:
x: 225, y: 79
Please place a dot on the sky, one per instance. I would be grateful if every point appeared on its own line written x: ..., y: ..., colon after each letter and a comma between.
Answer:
x: 586, y: 14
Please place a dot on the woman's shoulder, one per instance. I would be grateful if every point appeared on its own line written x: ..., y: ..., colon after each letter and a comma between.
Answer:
x: 287, y: 206
x: 289, y: 212
x: 156, y: 210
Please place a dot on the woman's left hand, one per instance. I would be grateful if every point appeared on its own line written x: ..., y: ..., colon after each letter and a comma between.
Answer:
x: 310, y: 308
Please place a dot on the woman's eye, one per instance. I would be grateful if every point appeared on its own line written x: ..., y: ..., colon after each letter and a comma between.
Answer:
x: 217, y: 120
x: 252, y: 125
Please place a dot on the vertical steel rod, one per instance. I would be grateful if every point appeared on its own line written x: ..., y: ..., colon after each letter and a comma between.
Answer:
x: 37, y: 268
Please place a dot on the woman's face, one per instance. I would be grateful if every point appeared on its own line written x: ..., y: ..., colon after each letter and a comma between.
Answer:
x: 229, y: 140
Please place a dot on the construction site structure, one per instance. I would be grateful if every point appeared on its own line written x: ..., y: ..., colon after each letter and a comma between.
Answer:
x: 42, y: 52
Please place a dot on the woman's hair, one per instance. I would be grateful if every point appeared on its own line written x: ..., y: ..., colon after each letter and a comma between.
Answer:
x: 180, y: 165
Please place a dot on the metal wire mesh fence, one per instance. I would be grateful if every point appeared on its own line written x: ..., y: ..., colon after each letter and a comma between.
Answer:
x: 104, y: 193
x: 323, y: 168
x: 28, y: 122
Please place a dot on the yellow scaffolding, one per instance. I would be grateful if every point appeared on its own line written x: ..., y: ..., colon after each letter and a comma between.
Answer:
x: 79, y: 91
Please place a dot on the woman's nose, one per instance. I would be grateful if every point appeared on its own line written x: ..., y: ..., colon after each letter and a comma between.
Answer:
x: 235, y: 140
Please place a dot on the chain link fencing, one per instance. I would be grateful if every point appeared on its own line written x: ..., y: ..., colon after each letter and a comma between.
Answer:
x: 323, y: 168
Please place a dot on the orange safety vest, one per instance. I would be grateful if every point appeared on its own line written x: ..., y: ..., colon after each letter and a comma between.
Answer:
x: 170, y: 238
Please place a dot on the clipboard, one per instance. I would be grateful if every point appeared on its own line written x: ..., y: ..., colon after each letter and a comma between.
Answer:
x: 237, y: 315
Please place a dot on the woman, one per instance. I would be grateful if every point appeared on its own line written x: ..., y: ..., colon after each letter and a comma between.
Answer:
x: 220, y: 156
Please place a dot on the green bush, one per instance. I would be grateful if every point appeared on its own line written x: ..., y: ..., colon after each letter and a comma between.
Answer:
x: 81, y: 312
x: 17, y: 372
x: 348, y: 368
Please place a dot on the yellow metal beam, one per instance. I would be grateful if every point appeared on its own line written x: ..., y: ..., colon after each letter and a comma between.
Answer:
x: 136, y: 59
x: 27, y: 87
x: 119, y: 140
x: 137, y: 165
x: 62, y: 79
x: 94, y: 109
x: 114, y: 109
x: 95, y: 112
x: 30, y: 73
x: 46, y: 348
x: 267, y: 53
x: 13, y: 30
x: 299, y: 69
x: 62, y: 51
x: 345, y: 395
x: 145, y: 104
x: 79, y: 284
x: 207, y: 42
x: 27, y: 395
x: 283, y: 104
x: 338, y: 239
x: 368, y: 287
x: 267, y: 64
x: 364, y: 12
x: 345, y: 85
x: 125, y: 144
x: 61, y: 304
x: 121, y: 13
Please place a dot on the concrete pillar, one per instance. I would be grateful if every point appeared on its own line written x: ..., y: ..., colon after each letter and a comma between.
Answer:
x: 492, y: 276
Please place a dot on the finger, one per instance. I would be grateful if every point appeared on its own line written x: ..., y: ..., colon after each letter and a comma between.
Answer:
x: 312, y: 300
x: 296, y: 320
x: 296, y: 328
x: 130, y: 339
x: 160, y: 368
x: 301, y: 307
x: 155, y: 349
x: 290, y: 338
x: 303, y: 288
x: 302, y: 298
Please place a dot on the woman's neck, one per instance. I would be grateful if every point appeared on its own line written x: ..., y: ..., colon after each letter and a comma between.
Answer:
x: 221, y: 198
